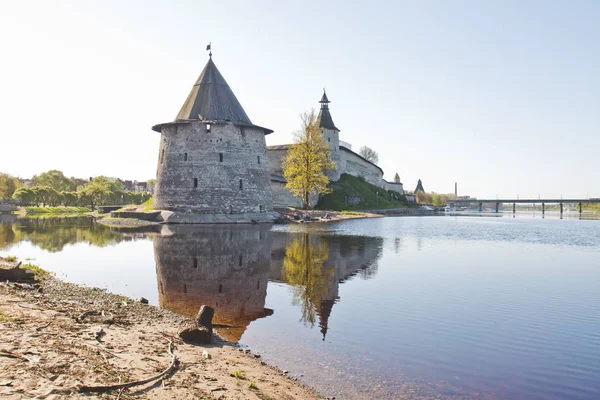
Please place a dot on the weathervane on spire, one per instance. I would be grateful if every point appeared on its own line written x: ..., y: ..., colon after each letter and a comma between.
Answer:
x: 209, y: 50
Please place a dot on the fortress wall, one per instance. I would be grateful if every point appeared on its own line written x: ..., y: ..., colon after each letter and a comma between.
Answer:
x: 355, y: 165
x: 396, y: 187
x: 218, y: 188
x: 282, y: 197
x: 275, y: 160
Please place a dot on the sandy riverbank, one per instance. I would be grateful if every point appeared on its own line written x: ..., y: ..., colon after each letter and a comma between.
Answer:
x: 58, y: 337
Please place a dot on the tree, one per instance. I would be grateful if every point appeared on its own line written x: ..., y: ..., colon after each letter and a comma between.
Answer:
x: 151, y: 184
x: 25, y: 196
x: 369, y: 154
x: 96, y: 191
x: 54, y: 179
x: 307, y: 161
x: 8, y: 186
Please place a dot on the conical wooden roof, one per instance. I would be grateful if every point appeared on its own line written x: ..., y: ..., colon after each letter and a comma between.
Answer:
x: 212, y: 99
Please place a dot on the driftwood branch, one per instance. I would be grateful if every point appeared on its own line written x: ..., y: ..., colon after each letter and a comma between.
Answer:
x: 17, y: 274
x: 100, y: 389
x: 10, y: 354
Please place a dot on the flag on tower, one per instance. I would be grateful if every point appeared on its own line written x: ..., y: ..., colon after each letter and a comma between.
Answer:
x: 208, y: 47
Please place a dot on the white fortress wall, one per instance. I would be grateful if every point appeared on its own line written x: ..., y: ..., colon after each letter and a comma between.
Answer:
x: 353, y: 164
x: 396, y: 187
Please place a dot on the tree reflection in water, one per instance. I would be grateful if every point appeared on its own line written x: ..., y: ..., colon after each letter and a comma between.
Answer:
x: 304, y: 268
x: 315, y: 265
x: 53, y: 234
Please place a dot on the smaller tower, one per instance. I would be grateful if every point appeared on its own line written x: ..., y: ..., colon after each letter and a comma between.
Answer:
x: 331, y: 135
x: 397, y: 178
x: 419, y: 187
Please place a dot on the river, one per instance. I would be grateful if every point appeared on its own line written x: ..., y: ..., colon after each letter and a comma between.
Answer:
x: 453, y: 307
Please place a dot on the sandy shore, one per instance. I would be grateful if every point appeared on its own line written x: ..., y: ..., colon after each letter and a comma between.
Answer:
x: 59, y: 337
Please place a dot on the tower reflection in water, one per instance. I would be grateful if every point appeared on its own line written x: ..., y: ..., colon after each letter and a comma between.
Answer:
x: 228, y: 267
x: 225, y: 267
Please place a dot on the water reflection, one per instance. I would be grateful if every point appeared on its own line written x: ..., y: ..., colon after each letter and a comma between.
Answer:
x: 53, y: 234
x: 225, y: 267
x: 315, y: 265
x: 228, y: 268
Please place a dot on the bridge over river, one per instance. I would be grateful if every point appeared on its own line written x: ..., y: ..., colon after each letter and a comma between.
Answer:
x: 514, y: 202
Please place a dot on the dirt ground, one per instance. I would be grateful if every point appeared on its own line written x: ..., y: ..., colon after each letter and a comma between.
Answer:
x: 58, y: 338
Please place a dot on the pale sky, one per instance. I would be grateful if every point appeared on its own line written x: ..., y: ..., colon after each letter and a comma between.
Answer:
x: 501, y: 96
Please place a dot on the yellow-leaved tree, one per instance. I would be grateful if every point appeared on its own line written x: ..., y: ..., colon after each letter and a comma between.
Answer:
x: 304, y: 269
x: 308, y: 160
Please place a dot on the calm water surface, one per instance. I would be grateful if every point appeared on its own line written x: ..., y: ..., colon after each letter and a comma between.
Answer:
x: 428, y: 307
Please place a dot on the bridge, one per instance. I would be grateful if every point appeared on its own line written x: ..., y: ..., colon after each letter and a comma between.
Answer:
x: 514, y: 202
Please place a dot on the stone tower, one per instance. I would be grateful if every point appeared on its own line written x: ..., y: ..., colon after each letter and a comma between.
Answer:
x: 212, y: 158
x: 331, y: 134
x: 397, y: 178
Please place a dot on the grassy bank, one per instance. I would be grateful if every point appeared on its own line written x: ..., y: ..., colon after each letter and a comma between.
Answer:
x: 356, y: 188
x: 56, y: 210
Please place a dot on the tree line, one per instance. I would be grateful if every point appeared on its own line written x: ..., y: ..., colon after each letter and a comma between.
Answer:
x: 53, y: 189
x: 436, y: 199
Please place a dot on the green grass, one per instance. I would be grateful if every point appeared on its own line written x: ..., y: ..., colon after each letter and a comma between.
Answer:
x: 345, y: 212
x: 349, y: 185
x: 239, y: 374
x: 4, y: 317
x: 57, y: 210
x: 253, y: 385
x: 39, y: 272
x: 149, y: 204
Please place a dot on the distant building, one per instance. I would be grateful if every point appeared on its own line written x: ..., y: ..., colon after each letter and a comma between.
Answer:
x: 419, y: 187
x: 128, y: 185
x: 141, y: 187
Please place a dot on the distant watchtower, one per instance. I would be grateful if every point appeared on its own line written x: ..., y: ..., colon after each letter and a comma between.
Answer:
x: 419, y: 187
x: 212, y: 159
x: 331, y: 134
x: 397, y: 178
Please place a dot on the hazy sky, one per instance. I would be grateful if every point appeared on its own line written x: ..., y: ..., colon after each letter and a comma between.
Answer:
x: 501, y: 96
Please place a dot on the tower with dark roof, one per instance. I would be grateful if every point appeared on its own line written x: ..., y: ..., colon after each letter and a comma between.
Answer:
x: 331, y: 134
x: 212, y: 158
x: 419, y: 187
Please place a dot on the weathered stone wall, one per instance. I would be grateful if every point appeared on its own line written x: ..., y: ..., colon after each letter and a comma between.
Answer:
x: 396, y: 187
x: 333, y: 139
x: 225, y: 267
x: 353, y: 164
x: 223, y: 170
x: 276, y: 155
x: 282, y: 197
